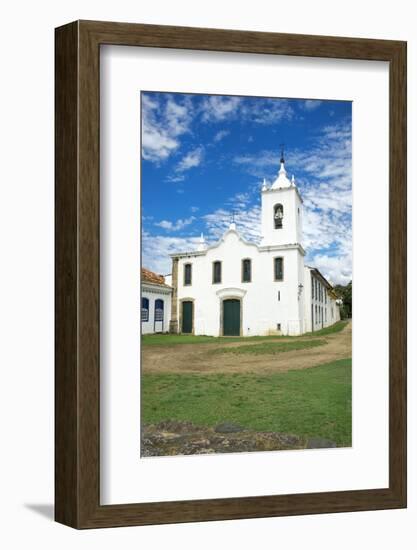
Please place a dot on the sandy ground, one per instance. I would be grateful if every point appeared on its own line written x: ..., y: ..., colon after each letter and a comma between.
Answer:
x: 196, y: 358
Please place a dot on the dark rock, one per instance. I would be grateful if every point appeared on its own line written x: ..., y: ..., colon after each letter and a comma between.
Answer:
x: 228, y: 428
x: 170, y: 438
x: 320, y: 443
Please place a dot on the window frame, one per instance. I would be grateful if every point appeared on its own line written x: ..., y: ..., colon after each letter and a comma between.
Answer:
x: 243, y: 270
x: 213, y: 272
x: 282, y: 268
x: 161, y: 308
x: 144, y: 308
x: 190, y: 265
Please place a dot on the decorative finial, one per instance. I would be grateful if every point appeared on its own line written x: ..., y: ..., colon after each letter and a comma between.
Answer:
x: 282, y: 160
x: 202, y: 243
x: 293, y: 180
x: 264, y: 186
x: 232, y: 221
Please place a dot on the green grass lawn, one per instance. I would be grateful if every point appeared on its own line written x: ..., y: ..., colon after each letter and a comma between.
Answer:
x: 271, y: 348
x: 174, y: 339
x: 314, y: 402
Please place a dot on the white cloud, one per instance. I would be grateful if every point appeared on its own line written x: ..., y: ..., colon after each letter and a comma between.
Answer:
x: 267, y: 111
x: 175, y: 226
x: 156, y: 250
x: 262, y: 164
x: 221, y: 135
x: 326, y: 188
x: 163, y: 122
x: 311, y: 104
x: 175, y: 178
x: 247, y: 217
x: 194, y: 209
x: 216, y: 108
x: 337, y: 269
x: 191, y: 160
x: 259, y: 110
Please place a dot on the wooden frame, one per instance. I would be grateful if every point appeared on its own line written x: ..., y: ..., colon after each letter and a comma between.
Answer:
x: 77, y: 274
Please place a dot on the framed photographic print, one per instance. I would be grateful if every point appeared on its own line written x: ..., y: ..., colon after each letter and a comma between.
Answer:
x: 230, y: 274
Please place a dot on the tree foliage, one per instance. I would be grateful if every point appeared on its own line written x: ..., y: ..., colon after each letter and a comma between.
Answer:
x: 345, y: 293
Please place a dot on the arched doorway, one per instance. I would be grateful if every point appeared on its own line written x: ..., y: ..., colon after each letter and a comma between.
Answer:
x: 231, y: 316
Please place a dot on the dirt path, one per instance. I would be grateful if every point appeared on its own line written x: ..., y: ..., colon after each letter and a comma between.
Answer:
x: 196, y: 358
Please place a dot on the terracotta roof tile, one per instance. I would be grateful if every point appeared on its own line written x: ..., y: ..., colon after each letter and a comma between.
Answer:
x: 151, y: 277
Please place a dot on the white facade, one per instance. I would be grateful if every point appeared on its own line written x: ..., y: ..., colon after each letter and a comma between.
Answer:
x: 213, y: 294
x: 155, y: 307
x: 322, y: 307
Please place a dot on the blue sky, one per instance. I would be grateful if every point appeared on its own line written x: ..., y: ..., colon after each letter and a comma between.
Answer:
x: 204, y: 156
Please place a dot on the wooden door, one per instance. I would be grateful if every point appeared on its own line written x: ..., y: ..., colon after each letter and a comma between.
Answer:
x: 231, y: 317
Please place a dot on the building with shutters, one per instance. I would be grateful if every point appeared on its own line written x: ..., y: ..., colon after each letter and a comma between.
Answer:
x: 155, y: 303
x: 237, y: 287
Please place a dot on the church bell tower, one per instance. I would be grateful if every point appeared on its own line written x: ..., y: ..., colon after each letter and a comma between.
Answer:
x: 281, y: 218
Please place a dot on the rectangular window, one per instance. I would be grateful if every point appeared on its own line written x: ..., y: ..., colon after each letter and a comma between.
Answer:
x: 279, y: 295
x: 246, y: 271
x: 145, y: 310
x: 279, y: 269
x: 217, y: 272
x: 187, y: 274
x: 312, y: 287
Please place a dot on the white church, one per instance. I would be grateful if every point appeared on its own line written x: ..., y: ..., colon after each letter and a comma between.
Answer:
x: 239, y: 288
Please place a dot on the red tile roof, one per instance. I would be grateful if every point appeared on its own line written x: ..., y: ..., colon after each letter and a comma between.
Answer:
x: 151, y: 277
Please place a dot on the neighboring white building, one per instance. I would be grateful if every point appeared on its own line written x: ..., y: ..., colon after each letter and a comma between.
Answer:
x: 236, y: 287
x: 156, y: 303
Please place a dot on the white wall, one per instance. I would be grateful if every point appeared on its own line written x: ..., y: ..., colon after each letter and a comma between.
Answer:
x: 262, y: 311
x: 291, y: 231
x: 26, y: 288
x: 152, y: 293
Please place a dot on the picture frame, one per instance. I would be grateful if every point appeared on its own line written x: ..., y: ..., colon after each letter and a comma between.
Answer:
x: 77, y: 294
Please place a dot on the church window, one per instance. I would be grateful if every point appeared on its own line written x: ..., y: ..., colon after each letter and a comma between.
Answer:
x: 246, y: 270
x: 159, y: 310
x: 278, y: 269
x: 187, y: 274
x: 145, y: 310
x: 279, y: 295
x: 312, y: 287
x: 217, y: 272
x: 278, y: 216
